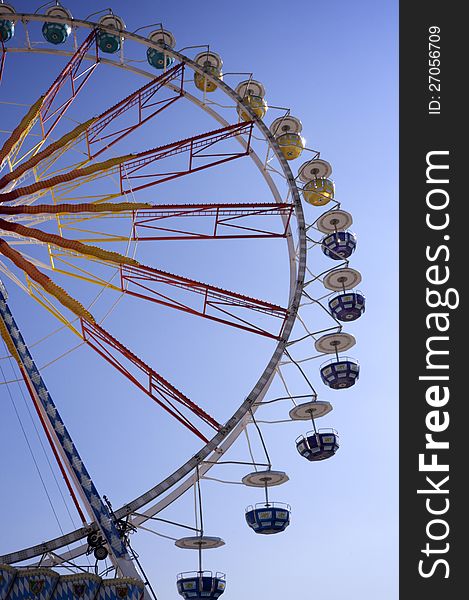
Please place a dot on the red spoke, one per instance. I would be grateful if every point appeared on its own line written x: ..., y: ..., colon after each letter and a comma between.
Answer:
x: 130, y: 170
x: 52, y: 109
x: 148, y: 222
x: 100, y: 133
x: 99, y: 139
x: 129, y: 165
x: 205, y: 300
x: 144, y: 377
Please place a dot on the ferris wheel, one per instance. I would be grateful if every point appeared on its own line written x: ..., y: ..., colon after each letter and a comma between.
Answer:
x: 95, y: 159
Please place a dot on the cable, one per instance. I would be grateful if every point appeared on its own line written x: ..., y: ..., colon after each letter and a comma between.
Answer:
x: 31, y: 451
x: 168, y: 537
x: 261, y: 438
x: 145, y: 578
x: 43, y: 448
x: 199, y: 494
x: 222, y: 480
x: 301, y: 371
x: 250, y: 449
x: 280, y: 399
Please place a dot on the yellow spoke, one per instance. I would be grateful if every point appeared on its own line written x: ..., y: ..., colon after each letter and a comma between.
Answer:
x: 78, y: 209
x: 82, y: 273
x: 86, y: 174
x: 36, y: 292
x: 12, y: 146
x: 60, y: 242
x: 22, y: 169
x: 45, y: 282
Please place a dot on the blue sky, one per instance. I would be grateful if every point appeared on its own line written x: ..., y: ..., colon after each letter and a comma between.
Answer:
x: 335, y: 66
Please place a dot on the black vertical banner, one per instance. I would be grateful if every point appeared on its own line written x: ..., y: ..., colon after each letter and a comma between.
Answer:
x: 434, y: 265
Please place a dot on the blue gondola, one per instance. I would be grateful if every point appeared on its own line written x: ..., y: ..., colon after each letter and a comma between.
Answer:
x: 158, y: 60
x: 339, y: 245
x: 108, y: 42
x: 7, y: 30
x: 268, y: 518
x: 56, y: 33
x: 318, y: 446
x: 7, y: 27
x: 53, y: 32
x: 347, y: 306
x: 156, y: 57
x: 201, y: 585
x: 340, y: 373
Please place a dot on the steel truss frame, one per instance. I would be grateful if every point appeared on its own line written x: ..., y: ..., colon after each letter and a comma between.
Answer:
x: 147, y: 223
x: 72, y: 74
x: 144, y: 377
x: 141, y: 283
x: 143, y: 101
x: 130, y: 171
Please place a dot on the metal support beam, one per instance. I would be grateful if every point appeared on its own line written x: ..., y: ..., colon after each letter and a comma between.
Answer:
x: 52, y: 108
x: 203, y: 299
x: 100, y: 135
x: 221, y: 221
x: 134, y: 178
x: 144, y: 377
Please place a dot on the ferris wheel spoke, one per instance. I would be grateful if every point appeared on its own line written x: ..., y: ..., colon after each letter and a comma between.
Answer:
x: 50, y: 108
x: 218, y: 221
x: 58, y: 209
x: 44, y: 281
x: 133, y: 177
x: 98, y: 136
x: 73, y: 177
x: 12, y: 145
x: 52, y: 111
x: 61, y: 242
x: 130, y: 168
x: 225, y: 221
x: 144, y: 377
x: 20, y: 172
x: 201, y: 299
x: 102, y: 132
x: 147, y: 283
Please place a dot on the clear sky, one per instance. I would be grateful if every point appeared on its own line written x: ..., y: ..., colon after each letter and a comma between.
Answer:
x: 335, y: 65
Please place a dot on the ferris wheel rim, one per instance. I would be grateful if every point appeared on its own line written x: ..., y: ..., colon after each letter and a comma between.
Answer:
x: 237, y: 423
